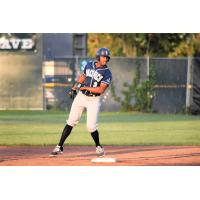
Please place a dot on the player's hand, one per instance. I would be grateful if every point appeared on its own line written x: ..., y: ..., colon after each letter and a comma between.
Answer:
x: 72, y: 93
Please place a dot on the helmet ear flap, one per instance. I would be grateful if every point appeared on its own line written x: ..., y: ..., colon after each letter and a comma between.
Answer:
x: 98, y: 58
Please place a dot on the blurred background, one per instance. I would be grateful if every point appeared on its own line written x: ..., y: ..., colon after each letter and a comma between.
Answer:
x: 152, y: 72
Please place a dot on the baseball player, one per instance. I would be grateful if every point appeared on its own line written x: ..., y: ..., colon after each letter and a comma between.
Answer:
x: 94, y: 80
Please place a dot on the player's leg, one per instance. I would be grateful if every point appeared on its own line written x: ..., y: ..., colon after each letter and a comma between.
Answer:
x: 66, y: 132
x: 93, y: 107
x: 73, y: 119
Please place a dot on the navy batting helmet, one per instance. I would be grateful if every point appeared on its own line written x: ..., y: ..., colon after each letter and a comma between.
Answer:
x: 103, y: 52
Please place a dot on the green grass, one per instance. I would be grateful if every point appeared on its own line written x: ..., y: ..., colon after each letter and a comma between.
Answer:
x: 44, y: 128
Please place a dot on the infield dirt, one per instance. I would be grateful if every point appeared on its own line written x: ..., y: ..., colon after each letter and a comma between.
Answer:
x: 82, y: 155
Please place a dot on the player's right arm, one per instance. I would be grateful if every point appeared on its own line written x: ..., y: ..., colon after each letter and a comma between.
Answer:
x: 97, y: 90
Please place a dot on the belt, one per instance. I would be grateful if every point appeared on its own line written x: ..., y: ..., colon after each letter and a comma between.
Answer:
x: 89, y: 94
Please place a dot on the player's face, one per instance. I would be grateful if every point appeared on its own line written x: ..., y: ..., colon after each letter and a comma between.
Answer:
x: 103, y: 60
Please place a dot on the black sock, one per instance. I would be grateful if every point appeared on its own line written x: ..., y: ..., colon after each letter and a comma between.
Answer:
x: 66, y: 131
x: 95, y: 136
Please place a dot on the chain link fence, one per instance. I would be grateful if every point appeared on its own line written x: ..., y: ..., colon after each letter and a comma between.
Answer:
x: 173, y: 90
x: 195, y: 86
x: 26, y: 83
x: 170, y: 85
x: 123, y: 71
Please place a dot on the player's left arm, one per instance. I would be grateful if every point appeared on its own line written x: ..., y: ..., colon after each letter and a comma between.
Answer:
x: 81, y: 80
x: 98, y: 90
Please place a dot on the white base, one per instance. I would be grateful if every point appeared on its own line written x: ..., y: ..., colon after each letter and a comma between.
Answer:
x: 103, y: 160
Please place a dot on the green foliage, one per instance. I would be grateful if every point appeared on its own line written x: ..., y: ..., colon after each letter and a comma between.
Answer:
x: 114, y: 95
x: 153, y: 44
x: 144, y: 93
x: 128, y: 94
x: 141, y: 92
x: 98, y: 40
x: 142, y: 44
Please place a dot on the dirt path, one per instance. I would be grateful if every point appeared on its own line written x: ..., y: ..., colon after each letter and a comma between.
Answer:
x: 82, y: 155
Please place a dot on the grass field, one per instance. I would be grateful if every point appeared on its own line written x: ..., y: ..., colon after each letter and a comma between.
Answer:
x: 44, y: 128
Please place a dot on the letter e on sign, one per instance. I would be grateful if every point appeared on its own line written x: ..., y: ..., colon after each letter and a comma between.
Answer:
x: 27, y: 44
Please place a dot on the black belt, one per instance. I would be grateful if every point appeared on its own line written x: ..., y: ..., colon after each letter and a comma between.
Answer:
x: 89, y: 94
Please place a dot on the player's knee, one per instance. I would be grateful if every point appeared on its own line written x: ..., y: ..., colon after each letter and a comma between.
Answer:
x: 72, y: 123
x: 91, y: 128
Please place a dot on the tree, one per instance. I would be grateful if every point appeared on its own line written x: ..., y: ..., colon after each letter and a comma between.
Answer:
x: 154, y: 44
x: 143, y: 44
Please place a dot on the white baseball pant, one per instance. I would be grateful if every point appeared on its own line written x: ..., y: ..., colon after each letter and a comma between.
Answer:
x: 92, y: 105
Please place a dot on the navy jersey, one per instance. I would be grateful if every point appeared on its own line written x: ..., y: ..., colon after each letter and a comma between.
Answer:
x: 96, y: 76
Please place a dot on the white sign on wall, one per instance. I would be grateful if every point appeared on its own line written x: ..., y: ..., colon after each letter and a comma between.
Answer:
x: 16, y: 44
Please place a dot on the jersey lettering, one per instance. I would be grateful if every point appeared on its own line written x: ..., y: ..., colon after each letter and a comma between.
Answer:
x: 94, y: 74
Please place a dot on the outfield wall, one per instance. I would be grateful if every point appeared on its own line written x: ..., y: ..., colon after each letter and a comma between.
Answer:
x: 21, y: 78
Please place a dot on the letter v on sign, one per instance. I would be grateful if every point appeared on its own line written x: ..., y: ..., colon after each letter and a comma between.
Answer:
x: 15, y: 43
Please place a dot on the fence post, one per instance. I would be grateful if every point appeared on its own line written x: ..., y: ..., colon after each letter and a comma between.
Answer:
x: 147, y: 67
x: 43, y: 86
x: 188, y: 85
x: 77, y: 67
